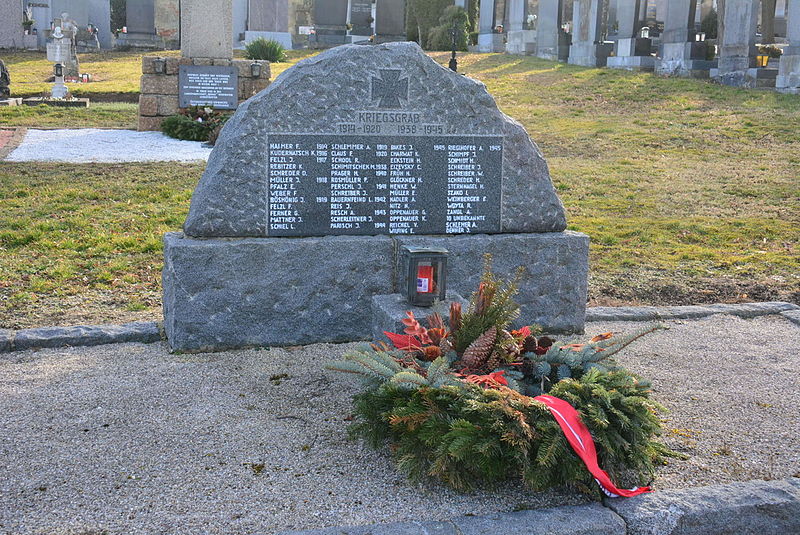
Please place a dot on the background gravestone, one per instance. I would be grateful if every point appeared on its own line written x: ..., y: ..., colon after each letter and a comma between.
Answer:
x: 361, y: 17
x: 330, y: 19
x: 343, y: 139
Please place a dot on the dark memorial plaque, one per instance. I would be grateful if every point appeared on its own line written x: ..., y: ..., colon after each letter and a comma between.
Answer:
x: 399, y: 184
x: 214, y: 86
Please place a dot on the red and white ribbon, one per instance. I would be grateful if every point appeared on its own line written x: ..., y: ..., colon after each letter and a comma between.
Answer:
x: 581, y: 441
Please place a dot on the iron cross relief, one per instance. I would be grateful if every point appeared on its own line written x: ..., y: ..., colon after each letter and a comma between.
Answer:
x: 389, y: 88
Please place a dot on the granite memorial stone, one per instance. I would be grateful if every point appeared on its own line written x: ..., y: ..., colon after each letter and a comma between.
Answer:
x: 316, y: 182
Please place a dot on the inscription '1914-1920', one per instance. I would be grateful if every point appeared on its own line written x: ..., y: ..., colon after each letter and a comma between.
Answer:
x: 327, y: 184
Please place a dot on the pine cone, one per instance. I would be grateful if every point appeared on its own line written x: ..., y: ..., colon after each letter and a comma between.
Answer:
x: 495, y: 361
x: 529, y: 344
x: 445, y: 345
x: 508, y: 344
x: 528, y: 368
x: 431, y: 353
x: 478, y: 352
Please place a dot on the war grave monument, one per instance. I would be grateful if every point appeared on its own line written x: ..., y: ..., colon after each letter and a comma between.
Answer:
x: 318, y: 182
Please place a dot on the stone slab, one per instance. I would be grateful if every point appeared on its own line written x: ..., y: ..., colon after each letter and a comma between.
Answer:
x: 397, y: 528
x: 752, y: 310
x: 10, y: 102
x: 388, y: 311
x: 591, y: 519
x: 206, y: 29
x: 284, y: 38
x: 319, y: 96
x: 632, y: 63
x: 650, y: 313
x: 86, y: 335
x: 6, y: 339
x: 228, y: 293
x: 792, y: 315
x: 490, y: 42
x: 554, y: 287
x: 521, y: 42
x: 590, y: 54
x: 751, y: 508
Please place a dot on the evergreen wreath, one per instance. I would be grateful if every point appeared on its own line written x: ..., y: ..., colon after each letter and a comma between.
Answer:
x: 457, y: 402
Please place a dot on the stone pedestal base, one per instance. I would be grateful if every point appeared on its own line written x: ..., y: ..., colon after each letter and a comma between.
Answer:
x: 140, y: 40
x: 788, y: 78
x: 750, y: 78
x: 158, y: 98
x: 521, y: 42
x: 388, y: 311
x: 284, y: 38
x: 555, y: 52
x: 632, y: 63
x: 236, y: 292
x: 590, y: 54
x: 490, y: 42
x: 634, y: 46
x: 685, y: 60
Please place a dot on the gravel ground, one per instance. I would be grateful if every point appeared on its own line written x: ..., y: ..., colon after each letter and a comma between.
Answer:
x: 131, y: 439
x: 96, y: 145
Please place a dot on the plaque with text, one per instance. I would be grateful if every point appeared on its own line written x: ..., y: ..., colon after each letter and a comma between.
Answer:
x: 321, y: 184
x: 214, y: 86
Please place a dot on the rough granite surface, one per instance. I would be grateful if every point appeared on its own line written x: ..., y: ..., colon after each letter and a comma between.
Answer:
x: 552, y: 291
x: 86, y: 335
x: 330, y: 88
x: 237, y: 292
x: 388, y: 311
x: 226, y: 293
x: 751, y: 508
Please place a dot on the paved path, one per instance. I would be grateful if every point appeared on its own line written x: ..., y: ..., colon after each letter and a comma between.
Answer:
x: 128, y: 438
x: 113, y: 146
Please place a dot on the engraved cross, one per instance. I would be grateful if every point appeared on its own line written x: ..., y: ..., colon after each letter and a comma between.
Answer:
x: 389, y: 88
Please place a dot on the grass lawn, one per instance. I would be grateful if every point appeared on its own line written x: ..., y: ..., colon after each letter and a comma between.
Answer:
x: 689, y: 191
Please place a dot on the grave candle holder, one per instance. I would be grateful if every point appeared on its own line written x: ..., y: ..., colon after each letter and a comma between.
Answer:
x: 426, y: 275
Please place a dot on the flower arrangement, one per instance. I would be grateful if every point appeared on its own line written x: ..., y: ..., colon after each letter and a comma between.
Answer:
x: 469, y: 400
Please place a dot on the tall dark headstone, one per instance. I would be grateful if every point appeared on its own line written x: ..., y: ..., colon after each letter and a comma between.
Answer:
x: 361, y: 17
x: 390, y: 20
x: 330, y: 20
x: 140, y: 17
x: 316, y: 183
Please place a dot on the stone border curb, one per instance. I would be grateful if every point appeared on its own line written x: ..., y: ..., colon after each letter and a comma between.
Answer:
x: 80, y: 335
x: 149, y: 332
x: 649, y: 313
x: 749, y: 508
x: 792, y: 315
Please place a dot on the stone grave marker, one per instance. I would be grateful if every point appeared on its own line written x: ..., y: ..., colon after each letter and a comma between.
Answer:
x: 316, y: 182
x: 207, y: 85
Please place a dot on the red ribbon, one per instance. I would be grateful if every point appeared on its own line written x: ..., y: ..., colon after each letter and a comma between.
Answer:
x: 581, y: 441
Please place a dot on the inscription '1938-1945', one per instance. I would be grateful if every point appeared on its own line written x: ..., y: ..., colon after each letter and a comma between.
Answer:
x: 327, y: 184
